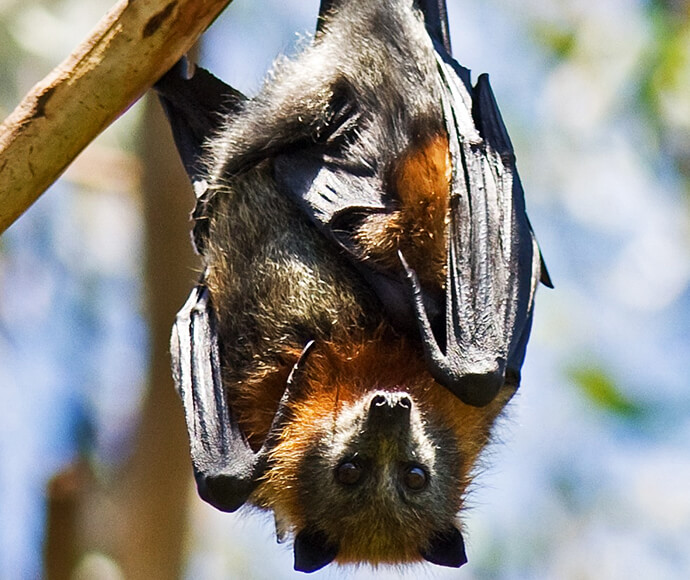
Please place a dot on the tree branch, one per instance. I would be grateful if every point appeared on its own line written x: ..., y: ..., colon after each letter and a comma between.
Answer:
x: 131, y: 48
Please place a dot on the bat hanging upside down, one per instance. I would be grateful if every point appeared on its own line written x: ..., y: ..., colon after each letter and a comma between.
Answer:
x: 368, y: 287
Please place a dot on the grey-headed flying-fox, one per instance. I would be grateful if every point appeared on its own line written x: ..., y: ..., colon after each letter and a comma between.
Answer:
x: 369, y: 278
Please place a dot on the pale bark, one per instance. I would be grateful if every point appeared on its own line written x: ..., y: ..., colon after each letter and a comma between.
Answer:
x: 132, y: 46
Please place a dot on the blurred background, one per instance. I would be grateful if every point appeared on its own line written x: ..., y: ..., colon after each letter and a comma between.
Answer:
x: 591, y: 475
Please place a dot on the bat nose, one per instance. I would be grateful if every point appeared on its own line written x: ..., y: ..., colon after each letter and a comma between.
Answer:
x: 390, y: 408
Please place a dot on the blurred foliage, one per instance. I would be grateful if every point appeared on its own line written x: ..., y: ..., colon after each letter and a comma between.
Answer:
x: 662, y: 81
x: 558, y: 41
x: 599, y: 387
x: 665, y: 82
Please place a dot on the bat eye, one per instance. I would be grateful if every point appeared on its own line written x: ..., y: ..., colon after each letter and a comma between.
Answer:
x: 415, y: 478
x: 348, y: 473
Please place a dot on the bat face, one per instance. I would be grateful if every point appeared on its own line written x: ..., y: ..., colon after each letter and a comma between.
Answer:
x: 364, y: 204
x: 377, y: 483
x: 368, y: 480
x: 373, y: 467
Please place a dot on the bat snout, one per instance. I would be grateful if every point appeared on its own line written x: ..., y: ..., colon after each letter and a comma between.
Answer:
x: 389, y: 409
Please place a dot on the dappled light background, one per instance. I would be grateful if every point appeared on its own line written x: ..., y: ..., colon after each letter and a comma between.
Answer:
x: 591, y: 474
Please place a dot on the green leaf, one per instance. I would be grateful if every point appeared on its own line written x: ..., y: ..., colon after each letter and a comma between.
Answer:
x: 598, y: 386
x: 557, y: 41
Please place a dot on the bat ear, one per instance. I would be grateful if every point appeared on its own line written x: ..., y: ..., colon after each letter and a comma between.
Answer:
x: 313, y: 551
x: 446, y: 548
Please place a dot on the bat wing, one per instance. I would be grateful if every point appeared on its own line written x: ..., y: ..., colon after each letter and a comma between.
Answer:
x: 335, y: 198
x: 436, y: 20
x: 224, y: 464
x: 493, y: 261
x: 226, y: 469
x: 474, y: 338
x: 196, y: 103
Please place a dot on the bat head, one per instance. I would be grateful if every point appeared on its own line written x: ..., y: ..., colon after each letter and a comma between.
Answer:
x: 381, y: 487
x: 375, y: 462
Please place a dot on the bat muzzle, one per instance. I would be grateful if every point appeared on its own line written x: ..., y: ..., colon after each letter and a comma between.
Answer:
x: 389, y: 410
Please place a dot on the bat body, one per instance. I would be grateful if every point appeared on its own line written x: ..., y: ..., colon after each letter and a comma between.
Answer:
x: 368, y: 286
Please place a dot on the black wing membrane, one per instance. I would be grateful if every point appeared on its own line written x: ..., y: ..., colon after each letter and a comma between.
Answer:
x: 436, y: 20
x: 195, y: 103
x: 226, y: 469
x: 334, y: 198
x: 493, y: 261
x: 224, y: 464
